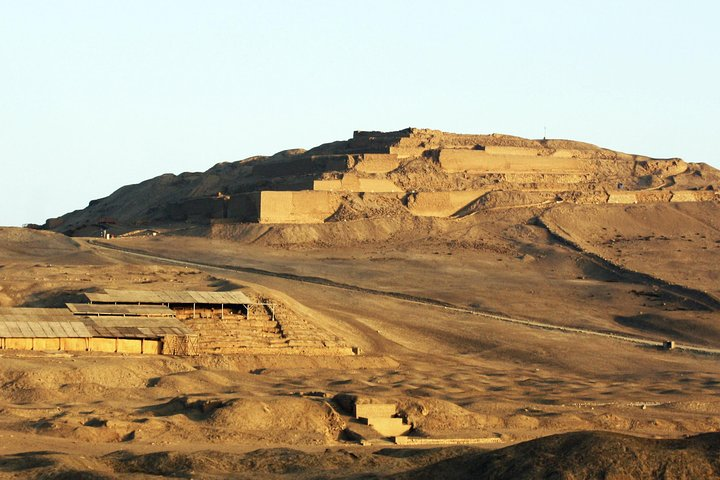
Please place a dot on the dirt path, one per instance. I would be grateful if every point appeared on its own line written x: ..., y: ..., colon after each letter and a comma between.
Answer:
x: 408, y: 298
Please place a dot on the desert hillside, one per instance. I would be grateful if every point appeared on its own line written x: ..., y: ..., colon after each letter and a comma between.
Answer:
x: 408, y: 173
x: 512, y: 308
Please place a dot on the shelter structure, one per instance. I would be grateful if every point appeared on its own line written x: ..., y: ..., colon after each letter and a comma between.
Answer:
x: 106, y: 330
x: 183, y: 304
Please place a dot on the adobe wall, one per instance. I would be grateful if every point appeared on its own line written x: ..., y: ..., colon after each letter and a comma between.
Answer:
x: 376, y: 162
x: 353, y: 183
x: 500, y: 150
x: 406, y: 152
x: 244, y: 207
x: 441, y: 204
x: 297, y: 207
x: 479, y: 161
x: 653, y: 196
x: 622, y: 196
x: 659, y: 196
x: 694, y: 196
x: 107, y: 345
x: 303, y: 165
x: 196, y: 208
x: 665, y: 168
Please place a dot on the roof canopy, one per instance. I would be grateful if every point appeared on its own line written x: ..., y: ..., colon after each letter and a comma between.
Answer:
x: 120, y: 310
x: 60, y: 323
x: 234, y: 297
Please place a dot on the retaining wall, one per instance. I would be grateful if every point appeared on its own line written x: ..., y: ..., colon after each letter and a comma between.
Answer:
x: 501, y: 150
x: 377, y: 162
x: 406, y: 152
x: 297, y: 207
x: 195, y: 208
x: 353, y: 183
x: 244, y: 207
x: 302, y: 166
x: 694, y: 196
x: 441, y: 204
x: 479, y: 161
x: 107, y: 345
x: 659, y: 196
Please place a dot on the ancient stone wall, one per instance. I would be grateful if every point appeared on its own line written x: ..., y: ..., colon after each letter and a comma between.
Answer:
x: 108, y: 345
x: 502, y: 150
x: 376, y: 163
x: 196, y: 208
x: 440, y: 204
x: 244, y: 207
x: 622, y: 196
x: 353, y: 183
x: 694, y: 196
x: 658, y: 196
x: 480, y: 161
x: 303, y: 165
x: 297, y: 207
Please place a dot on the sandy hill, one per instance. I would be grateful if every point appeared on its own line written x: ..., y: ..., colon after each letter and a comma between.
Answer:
x: 496, y: 287
x: 407, y: 173
x: 580, y: 455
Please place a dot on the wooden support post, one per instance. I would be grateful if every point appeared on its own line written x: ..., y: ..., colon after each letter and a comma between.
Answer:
x: 222, y: 312
x: 193, y: 310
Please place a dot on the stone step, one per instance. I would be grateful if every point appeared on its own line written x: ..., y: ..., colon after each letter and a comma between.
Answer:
x: 240, y: 334
x: 387, y: 427
x: 263, y: 325
x: 375, y: 410
x: 237, y: 331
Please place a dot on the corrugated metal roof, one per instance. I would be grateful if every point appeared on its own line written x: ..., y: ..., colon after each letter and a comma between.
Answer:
x: 99, y: 297
x: 24, y: 325
x: 136, y: 327
x: 33, y: 314
x: 119, y: 310
x: 148, y: 297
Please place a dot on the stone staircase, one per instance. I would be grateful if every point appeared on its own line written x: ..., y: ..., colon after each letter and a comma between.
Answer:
x: 375, y: 422
x: 262, y: 333
x: 234, y: 333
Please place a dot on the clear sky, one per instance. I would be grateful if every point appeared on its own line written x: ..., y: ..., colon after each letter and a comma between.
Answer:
x: 95, y: 95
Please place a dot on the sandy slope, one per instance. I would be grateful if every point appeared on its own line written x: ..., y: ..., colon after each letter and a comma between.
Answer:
x: 451, y: 373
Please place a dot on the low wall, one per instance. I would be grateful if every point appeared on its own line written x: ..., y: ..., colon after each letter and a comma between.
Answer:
x: 244, y: 207
x: 302, y: 165
x: 297, y: 207
x: 479, y: 161
x: 195, y: 208
x: 377, y: 162
x: 353, y: 183
x: 694, y: 196
x: 441, y: 204
x: 501, y: 150
x: 406, y: 152
x: 660, y: 196
x: 621, y: 197
x: 107, y: 345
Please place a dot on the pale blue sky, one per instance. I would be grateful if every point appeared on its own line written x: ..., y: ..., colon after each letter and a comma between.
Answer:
x: 96, y: 94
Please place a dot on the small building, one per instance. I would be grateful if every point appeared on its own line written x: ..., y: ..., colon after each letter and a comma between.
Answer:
x: 134, y: 330
x: 183, y: 304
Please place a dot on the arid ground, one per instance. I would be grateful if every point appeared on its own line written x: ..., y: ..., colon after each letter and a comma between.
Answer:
x: 493, y: 325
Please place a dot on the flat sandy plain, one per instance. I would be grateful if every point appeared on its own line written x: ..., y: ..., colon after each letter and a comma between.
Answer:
x: 415, y: 307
